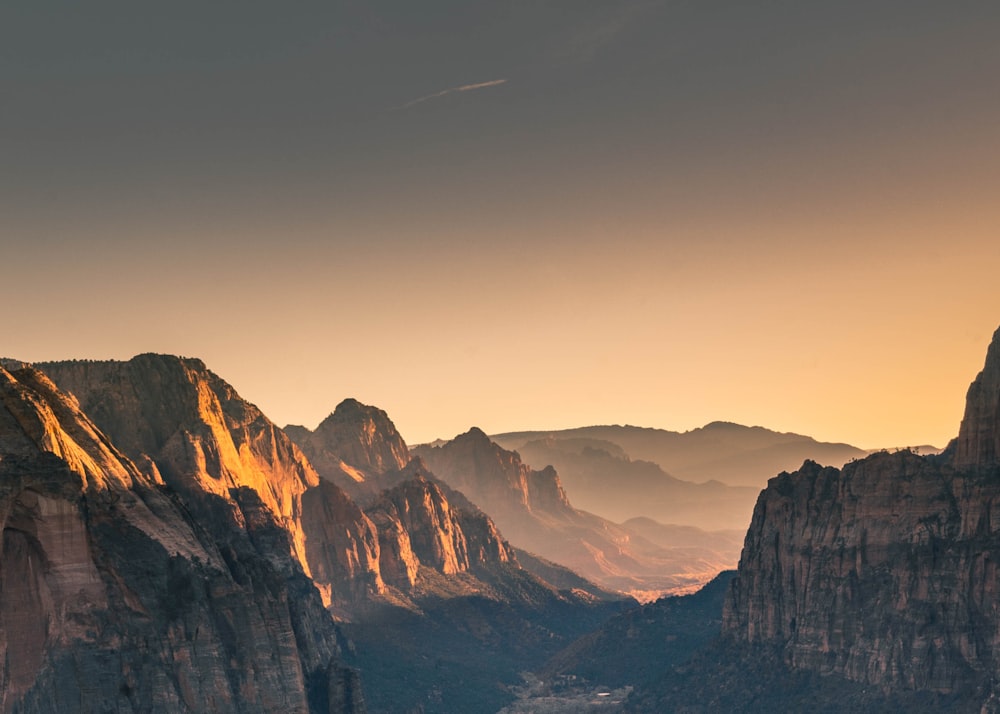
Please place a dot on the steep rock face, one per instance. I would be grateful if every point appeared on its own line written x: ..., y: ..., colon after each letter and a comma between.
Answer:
x: 978, y: 441
x: 342, y: 545
x: 445, y: 538
x: 353, y: 446
x: 492, y: 477
x: 881, y: 572
x: 194, y: 426
x: 885, y: 572
x: 227, y: 459
x: 113, y: 599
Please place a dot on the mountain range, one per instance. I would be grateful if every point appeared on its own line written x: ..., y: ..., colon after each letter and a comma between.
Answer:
x: 180, y: 545
x: 166, y: 547
x: 872, y: 587
x: 731, y: 453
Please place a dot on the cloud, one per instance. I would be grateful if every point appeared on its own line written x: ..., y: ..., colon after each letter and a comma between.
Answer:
x: 461, y: 88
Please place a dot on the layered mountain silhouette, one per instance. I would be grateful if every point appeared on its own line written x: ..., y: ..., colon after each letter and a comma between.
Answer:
x: 600, y: 477
x: 720, y: 451
x: 533, y: 508
x: 872, y: 587
x: 414, y: 561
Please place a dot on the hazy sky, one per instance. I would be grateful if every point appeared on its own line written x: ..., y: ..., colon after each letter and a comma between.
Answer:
x: 515, y: 213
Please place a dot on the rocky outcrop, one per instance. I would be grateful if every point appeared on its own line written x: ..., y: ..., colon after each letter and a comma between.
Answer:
x: 112, y: 598
x: 441, y: 536
x: 342, y: 545
x: 978, y: 442
x: 353, y: 446
x: 884, y: 572
x: 492, y: 477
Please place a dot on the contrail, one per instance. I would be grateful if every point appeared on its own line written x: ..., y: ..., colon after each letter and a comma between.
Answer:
x: 462, y: 88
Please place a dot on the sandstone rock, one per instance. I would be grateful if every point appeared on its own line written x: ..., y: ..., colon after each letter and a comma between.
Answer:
x: 202, y: 437
x: 113, y: 599
x: 342, y: 545
x: 223, y: 456
x: 494, y: 478
x: 442, y: 537
x: 353, y: 446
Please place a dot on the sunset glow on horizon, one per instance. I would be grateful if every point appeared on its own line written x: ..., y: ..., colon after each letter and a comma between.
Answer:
x: 517, y: 215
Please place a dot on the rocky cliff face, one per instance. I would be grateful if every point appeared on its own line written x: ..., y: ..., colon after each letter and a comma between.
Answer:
x: 444, y: 537
x: 885, y: 571
x: 113, y: 598
x: 354, y: 446
x: 978, y: 441
x: 194, y: 427
x: 227, y: 460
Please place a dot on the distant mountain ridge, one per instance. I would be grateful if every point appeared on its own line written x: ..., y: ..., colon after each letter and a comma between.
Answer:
x: 721, y: 451
x: 532, y: 506
x: 601, y: 478
x: 871, y: 587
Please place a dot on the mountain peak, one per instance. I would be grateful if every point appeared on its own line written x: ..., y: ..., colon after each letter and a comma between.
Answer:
x: 362, y: 436
x: 352, y: 406
x: 474, y: 434
x: 979, y: 436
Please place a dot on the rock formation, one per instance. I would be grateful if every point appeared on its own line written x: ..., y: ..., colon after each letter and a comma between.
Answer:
x: 225, y: 458
x: 449, y: 539
x: 494, y: 478
x: 599, y: 477
x: 112, y: 598
x: 353, y: 447
x: 886, y: 571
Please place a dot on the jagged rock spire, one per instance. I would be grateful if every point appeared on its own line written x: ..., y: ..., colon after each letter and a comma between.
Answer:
x: 979, y: 437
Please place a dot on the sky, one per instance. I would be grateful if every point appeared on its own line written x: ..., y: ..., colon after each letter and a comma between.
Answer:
x: 515, y: 214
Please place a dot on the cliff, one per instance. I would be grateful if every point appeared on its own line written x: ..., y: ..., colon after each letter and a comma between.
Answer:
x: 113, y: 598
x: 885, y: 571
x: 226, y: 460
x: 978, y: 442
x: 441, y: 536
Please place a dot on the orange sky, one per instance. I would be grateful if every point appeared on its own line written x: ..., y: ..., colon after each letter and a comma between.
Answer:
x: 663, y: 216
